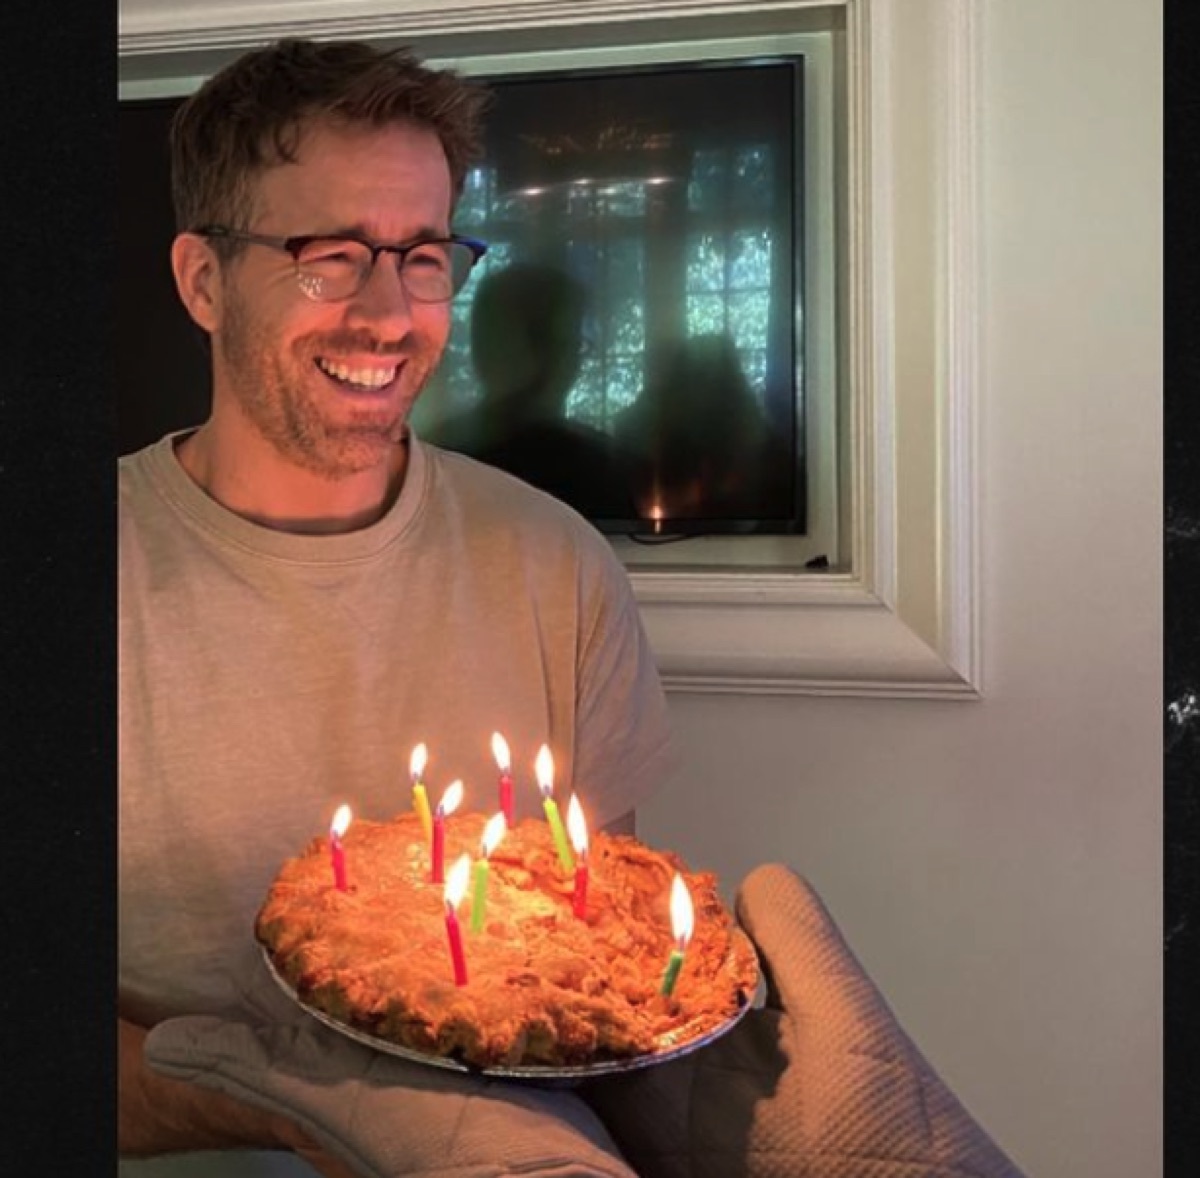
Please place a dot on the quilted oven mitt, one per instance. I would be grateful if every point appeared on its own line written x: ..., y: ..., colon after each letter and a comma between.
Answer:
x: 821, y: 1083
x: 381, y: 1115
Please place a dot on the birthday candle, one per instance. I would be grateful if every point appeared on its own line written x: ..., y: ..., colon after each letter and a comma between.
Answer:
x: 681, y: 927
x: 416, y: 767
x: 500, y: 752
x: 337, y: 853
x: 449, y: 803
x: 456, y: 886
x: 544, y: 767
x: 579, y: 840
x: 493, y: 832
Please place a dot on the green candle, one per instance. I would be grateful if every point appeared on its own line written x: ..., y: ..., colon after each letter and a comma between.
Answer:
x: 668, y: 982
x: 493, y: 832
x: 560, y: 836
x: 682, y: 917
x: 544, y: 768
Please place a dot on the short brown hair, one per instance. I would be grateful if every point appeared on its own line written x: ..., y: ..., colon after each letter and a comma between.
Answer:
x: 250, y: 117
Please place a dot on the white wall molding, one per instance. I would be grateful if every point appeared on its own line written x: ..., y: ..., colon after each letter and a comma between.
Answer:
x: 905, y: 621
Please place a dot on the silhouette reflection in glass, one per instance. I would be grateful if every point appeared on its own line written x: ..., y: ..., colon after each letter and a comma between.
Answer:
x: 697, y: 441
x: 527, y: 348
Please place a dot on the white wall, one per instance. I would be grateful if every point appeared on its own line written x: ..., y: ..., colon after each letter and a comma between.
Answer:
x: 997, y: 865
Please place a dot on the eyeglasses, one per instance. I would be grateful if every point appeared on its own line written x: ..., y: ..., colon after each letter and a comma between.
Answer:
x: 329, y: 269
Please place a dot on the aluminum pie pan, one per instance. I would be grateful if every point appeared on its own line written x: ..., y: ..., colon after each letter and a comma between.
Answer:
x: 545, y: 1073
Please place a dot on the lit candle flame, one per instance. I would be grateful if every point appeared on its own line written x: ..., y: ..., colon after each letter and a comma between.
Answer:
x: 341, y: 820
x: 682, y: 916
x: 418, y: 760
x: 451, y: 799
x: 457, y: 879
x: 493, y: 832
x: 544, y: 768
x: 500, y: 752
x: 577, y: 827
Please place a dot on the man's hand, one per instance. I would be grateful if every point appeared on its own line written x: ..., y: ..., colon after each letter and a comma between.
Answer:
x: 822, y: 1083
x: 377, y: 1115
x: 157, y: 1115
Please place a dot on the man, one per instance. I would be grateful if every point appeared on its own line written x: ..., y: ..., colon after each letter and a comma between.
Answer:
x: 307, y: 591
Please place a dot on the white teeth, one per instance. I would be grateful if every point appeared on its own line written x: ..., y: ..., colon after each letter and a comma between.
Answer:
x: 367, y: 378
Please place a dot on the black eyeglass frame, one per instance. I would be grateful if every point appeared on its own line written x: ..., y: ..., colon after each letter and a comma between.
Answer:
x: 295, y: 245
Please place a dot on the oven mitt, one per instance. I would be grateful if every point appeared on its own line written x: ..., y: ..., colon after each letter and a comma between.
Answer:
x: 821, y: 1083
x: 382, y: 1115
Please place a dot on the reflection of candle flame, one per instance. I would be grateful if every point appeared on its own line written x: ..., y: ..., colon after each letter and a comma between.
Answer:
x: 544, y: 768
x: 451, y: 799
x: 417, y: 762
x: 577, y: 827
x: 493, y: 832
x: 681, y: 912
x: 456, y: 881
x: 500, y: 751
x: 341, y: 820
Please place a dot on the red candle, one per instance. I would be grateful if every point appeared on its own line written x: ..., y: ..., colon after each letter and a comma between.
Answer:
x: 456, y: 887
x: 449, y: 803
x: 579, y: 838
x: 500, y: 752
x: 337, y: 853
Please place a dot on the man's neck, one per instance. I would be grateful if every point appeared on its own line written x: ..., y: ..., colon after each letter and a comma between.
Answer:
x: 265, y: 490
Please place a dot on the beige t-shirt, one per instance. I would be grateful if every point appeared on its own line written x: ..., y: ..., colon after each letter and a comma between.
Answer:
x: 267, y: 677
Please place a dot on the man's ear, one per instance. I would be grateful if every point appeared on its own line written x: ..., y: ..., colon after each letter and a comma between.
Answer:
x: 198, y: 279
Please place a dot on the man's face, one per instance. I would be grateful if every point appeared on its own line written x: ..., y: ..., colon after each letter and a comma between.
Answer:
x: 330, y: 385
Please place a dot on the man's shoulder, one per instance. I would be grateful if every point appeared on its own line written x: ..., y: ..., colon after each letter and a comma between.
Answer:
x: 508, y: 502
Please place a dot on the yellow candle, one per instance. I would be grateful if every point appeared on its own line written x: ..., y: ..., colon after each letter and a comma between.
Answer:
x: 420, y: 799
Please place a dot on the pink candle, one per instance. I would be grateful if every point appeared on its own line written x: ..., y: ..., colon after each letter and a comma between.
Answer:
x: 456, y: 887
x: 500, y: 752
x: 449, y: 803
x: 577, y: 827
x: 337, y: 853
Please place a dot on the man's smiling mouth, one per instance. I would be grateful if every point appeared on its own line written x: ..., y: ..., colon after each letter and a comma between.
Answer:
x: 363, y: 378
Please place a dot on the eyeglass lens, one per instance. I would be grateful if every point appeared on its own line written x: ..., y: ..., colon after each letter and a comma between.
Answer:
x: 336, y: 268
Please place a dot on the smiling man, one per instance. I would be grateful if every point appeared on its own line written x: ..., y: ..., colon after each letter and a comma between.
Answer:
x: 307, y: 590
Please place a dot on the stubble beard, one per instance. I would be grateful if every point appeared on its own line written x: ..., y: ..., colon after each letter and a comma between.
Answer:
x: 280, y: 393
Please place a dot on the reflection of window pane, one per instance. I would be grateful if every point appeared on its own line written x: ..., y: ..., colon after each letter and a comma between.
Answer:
x: 748, y: 318
x: 624, y: 199
x: 754, y: 365
x: 705, y: 313
x: 627, y: 265
x: 751, y: 258
x: 708, y: 176
x: 628, y: 326
x: 625, y: 379
x: 706, y: 262
x: 752, y: 179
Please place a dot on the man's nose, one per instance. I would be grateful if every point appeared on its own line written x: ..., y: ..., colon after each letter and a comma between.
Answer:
x: 384, y: 298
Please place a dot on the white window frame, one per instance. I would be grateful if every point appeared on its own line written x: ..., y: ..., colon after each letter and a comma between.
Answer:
x: 904, y: 619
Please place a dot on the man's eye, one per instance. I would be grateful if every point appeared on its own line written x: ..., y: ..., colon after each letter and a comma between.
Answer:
x: 331, y: 253
x: 428, y: 257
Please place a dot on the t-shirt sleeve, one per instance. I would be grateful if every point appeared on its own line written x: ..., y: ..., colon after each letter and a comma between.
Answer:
x: 624, y: 751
